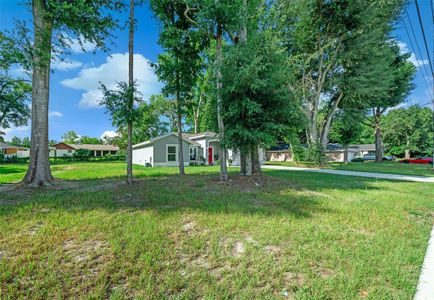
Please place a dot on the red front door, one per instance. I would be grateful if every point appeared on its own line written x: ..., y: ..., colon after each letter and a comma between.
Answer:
x: 210, y: 155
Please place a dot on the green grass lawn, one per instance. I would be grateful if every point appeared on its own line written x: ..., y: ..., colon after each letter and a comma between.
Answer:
x: 289, y: 235
x: 384, y: 167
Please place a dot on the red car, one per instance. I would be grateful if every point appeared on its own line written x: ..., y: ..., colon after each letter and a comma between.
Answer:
x: 420, y: 160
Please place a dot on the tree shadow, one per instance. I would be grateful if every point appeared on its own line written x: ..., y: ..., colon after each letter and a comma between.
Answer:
x: 265, y: 195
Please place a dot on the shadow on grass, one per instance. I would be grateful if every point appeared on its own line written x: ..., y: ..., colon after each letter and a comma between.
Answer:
x: 271, y: 195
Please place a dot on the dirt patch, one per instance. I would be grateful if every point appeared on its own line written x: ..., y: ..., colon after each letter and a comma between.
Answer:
x: 272, y: 249
x: 238, y: 249
x: 86, y: 259
x: 294, y: 279
x: 188, y: 227
x: 321, y: 271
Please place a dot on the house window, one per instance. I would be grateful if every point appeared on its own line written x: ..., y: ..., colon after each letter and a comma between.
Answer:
x: 172, y: 153
x: 193, y: 153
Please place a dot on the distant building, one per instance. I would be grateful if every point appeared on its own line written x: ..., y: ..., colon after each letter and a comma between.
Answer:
x: 10, y: 150
x: 64, y: 149
x: 334, y: 152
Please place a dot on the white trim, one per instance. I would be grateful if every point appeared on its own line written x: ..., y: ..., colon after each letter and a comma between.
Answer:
x: 425, y: 287
x: 176, y: 153
x: 197, y: 152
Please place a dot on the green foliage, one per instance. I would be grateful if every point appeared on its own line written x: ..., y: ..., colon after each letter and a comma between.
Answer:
x: 256, y: 104
x: 408, y: 129
x: 82, y: 153
x: 347, y: 127
x: 117, y: 103
x: 89, y: 140
x: 70, y: 137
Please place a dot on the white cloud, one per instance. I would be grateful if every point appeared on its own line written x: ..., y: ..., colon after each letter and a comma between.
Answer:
x: 65, y: 65
x: 21, y: 132
x: 413, y: 59
x: 108, y: 133
x: 55, y: 114
x: 86, y: 46
x: 115, y: 69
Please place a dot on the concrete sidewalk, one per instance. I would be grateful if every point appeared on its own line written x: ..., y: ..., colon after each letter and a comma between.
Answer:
x: 355, y: 173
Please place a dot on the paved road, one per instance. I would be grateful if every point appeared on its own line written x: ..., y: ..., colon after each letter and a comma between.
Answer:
x: 355, y: 173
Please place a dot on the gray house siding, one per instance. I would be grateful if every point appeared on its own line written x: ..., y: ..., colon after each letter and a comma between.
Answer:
x: 160, y: 153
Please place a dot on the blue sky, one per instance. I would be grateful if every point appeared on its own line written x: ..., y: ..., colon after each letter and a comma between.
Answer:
x: 74, y: 82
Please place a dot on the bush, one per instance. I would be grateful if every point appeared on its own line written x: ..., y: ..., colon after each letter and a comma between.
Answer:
x: 357, y: 159
x: 316, y: 154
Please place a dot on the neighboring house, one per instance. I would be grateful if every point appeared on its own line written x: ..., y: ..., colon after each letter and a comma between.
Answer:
x: 10, y: 150
x: 64, y: 149
x: 198, y: 149
x: 334, y: 152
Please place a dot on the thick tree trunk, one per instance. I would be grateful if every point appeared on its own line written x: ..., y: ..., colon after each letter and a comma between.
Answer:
x: 328, y: 121
x: 131, y: 100
x: 242, y: 162
x: 222, y: 148
x: 407, y: 150
x: 179, y: 127
x: 378, y: 142
x: 38, y: 172
x: 256, y: 165
x: 248, y: 163
x: 346, y: 154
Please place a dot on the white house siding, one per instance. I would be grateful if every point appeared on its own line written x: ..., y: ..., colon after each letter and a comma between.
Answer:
x: 142, y: 156
x: 64, y: 152
x: 203, y: 150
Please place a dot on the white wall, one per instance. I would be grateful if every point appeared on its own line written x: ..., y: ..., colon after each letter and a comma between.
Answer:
x: 143, y: 155
x: 64, y: 152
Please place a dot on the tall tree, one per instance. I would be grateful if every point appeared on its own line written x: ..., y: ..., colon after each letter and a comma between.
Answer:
x: 400, y: 73
x: 325, y: 39
x: 70, y: 137
x: 180, y: 65
x: 52, y: 21
x: 131, y: 98
x: 256, y: 104
x: 14, y: 92
x: 408, y: 131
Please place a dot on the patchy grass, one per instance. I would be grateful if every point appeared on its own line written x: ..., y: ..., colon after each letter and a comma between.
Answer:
x: 13, y: 173
x: 288, y: 235
x: 383, y: 167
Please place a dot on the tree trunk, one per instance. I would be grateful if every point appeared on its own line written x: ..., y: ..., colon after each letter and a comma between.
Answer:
x: 179, y: 126
x: 378, y: 140
x: 222, y: 148
x: 38, y: 172
x: 328, y: 121
x: 407, y: 150
x: 248, y: 163
x: 242, y: 162
x: 256, y: 165
x: 131, y: 100
x: 346, y: 154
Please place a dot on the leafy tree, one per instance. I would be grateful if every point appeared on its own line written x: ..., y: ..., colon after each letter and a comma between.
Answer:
x: 53, y: 22
x: 117, y: 105
x: 327, y: 41
x: 408, y: 131
x: 180, y: 65
x: 400, y: 73
x: 256, y: 103
x: 70, y: 137
x: 14, y: 92
x: 89, y: 140
x: 346, y: 129
x: 26, y: 142
x: 16, y: 141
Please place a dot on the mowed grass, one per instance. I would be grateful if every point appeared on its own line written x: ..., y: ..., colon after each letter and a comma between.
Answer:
x: 383, y: 167
x: 14, y: 173
x: 287, y: 235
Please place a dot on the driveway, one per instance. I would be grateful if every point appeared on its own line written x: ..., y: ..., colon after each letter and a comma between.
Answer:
x: 355, y: 173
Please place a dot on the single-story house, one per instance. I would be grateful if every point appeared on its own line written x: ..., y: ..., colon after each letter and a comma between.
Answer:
x: 198, y: 149
x: 10, y: 150
x: 334, y: 152
x: 64, y: 149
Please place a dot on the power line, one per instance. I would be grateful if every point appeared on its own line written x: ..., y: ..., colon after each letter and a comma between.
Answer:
x: 424, y: 37
x: 417, y: 61
x: 419, y: 52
